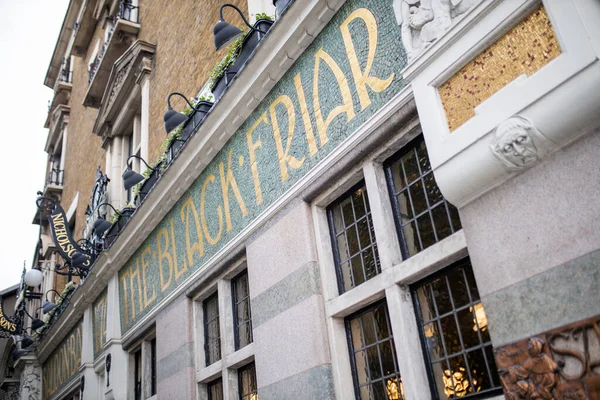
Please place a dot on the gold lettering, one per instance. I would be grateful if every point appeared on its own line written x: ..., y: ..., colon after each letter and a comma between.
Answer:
x: 252, y: 147
x: 347, y: 106
x: 164, y: 284
x: 133, y: 274
x: 310, y: 135
x: 362, y: 78
x: 123, y: 280
x: 228, y: 180
x: 178, y: 272
x: 285, y: 159
x: 209, y: 239
x: 198, y: 245
x: 145, y: 265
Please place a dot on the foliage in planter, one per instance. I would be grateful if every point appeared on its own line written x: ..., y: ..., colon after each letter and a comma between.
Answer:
x: 64, y: 294
x: 264, y: 16
x: 226, y: 62
x: 115, y: 217
x: 188, y: 110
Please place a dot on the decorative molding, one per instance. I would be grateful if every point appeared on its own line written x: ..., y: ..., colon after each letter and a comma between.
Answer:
x: 558, y: 364
x: 523, y: 50
x: 469, y: 94
x: 425, y: 21
x: 518, y: 144
x: 136, y: 61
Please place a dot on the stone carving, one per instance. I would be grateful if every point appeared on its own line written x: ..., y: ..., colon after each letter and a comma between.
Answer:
x: 563, y: 364
x: 31, y: 382
x: 518, y: 144
x: 118, y: 82
x: 424, y: 21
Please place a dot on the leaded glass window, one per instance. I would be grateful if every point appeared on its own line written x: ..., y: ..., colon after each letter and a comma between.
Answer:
x: 455, y: 334
x: 373, y: 356
x: 353, y: 237
x: 215, y: 390
x: 242, y: 317
x: 247, y: 382
x: 422, y: 214
x: 212, y: 335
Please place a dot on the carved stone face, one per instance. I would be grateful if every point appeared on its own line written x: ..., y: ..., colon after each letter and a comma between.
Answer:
x: 514, y: 144
x: 517, y: 147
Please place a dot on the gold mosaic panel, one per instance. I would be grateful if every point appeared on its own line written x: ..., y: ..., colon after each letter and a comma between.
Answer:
x: 523, y: 50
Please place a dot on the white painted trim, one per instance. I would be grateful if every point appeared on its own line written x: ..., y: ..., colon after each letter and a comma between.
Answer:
x: 547, y: 97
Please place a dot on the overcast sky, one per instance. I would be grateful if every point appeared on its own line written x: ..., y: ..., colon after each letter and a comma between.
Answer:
x: 28, y: 34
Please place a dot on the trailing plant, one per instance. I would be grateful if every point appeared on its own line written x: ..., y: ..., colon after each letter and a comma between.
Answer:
x: 188, y: 110
x: 226, y: 62
x: 264, y: 16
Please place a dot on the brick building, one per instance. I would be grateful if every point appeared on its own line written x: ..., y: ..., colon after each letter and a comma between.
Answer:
x: 380, y: 199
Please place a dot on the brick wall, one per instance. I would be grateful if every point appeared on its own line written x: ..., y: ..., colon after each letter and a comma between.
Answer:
x: 84, y: 150
x: 182, y: 31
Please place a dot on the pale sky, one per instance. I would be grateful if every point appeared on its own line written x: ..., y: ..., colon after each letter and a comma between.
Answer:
x: 28, y: 33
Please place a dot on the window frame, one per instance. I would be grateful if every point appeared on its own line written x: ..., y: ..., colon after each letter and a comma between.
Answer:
x: 148, y: 382
x: 460, y: 264
x: 240, y: 371
x: 235, y: 303
x: 387, y: 167
x: 398, y: 271
x: 352, y: 350
x: 333, y: 236
x: 207, y: 351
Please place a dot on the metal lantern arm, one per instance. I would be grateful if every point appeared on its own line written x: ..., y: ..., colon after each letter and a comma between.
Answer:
x: 54, y: 291
x: 108, y: 204
x: 241, y: 15
x: 131, y: 168
x: 180, y: 95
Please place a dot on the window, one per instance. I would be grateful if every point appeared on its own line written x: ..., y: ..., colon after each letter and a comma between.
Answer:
x: 247, y: 382
x: 215, y: 390
x: 427, y: 301
x: 153, y: 367
x: 353, y: 238
x: 454, y: 333
x: 137, y: 360
x: 423, y: 216
x: 144, y: 378
x: 212, y: 336
x: 373, y: 355
x: 242, y: 318
x: 224, y: 301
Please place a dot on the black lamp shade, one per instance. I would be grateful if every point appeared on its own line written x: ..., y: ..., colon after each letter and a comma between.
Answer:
x: 78, y: 259
x: 131, y: 178
x: 100, y: 226
x: 225, y: 34
x: 47, y: 306
x: 36, y: 324
x: 173, y: 119
x: 26, y: 342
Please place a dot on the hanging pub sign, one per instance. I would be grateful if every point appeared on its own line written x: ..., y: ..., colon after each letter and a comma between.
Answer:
x: 61, y: 233
x: 7, y: 324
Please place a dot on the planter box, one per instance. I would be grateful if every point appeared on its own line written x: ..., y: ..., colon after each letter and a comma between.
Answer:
x: 191, y: 126
x: 111, y: 235
x: 249, y: 44
x: 281, y: 5
x: 126, y: 213
x: 149, y: 183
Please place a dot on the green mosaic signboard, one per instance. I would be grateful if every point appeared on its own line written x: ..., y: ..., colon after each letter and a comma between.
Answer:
x: 63, y: 364
x: 99, y: 323
x: 350, y: 71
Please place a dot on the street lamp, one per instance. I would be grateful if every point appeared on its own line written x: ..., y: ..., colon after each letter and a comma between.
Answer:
x: 101, y: 224
x: 132, y: 178
x: 226, y: 33
x: 173, y: 118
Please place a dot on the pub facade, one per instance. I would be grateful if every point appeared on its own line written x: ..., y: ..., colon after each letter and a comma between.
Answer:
x: 391, y: 199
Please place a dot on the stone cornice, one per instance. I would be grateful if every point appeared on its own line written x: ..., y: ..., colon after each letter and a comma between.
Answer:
x: 136, y: 61
x: 287, y: 40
